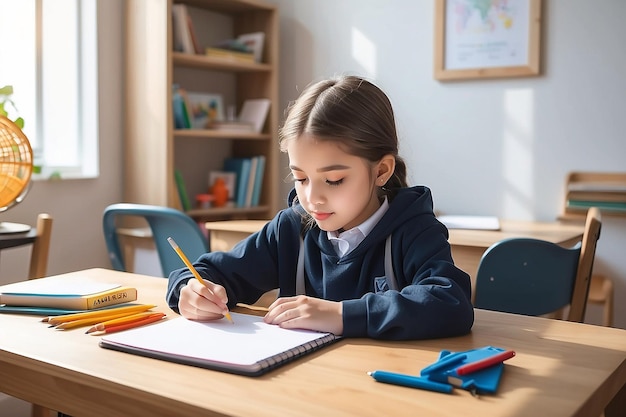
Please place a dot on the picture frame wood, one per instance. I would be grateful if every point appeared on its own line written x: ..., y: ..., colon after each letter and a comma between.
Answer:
x: 498, y: 40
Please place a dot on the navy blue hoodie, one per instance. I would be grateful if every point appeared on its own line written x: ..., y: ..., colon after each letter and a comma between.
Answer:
x: 433, y: 296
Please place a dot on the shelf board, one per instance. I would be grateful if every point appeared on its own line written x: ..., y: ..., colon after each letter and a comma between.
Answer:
x: 220, y: 134
x: 181, y: 59
x: 223, y: 212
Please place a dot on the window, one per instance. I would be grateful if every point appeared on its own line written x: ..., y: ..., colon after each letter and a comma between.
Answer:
x: 48, y: 53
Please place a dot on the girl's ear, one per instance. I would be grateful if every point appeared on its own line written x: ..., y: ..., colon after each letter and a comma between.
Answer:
x: 385, y: 168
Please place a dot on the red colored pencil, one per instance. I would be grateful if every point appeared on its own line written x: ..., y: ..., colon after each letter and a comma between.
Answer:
x: 126, y: 326
x: 484, y: 363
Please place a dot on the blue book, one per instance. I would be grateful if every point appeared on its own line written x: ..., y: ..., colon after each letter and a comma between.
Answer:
x: 258, y: 180
x: 178, y: 108
x: 241, y: 167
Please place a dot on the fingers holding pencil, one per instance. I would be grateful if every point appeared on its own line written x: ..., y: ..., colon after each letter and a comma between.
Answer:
x: 195, y: 273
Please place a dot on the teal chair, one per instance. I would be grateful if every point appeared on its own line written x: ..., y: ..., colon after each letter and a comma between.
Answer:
x: 535, y: 277
x: 164, y: 222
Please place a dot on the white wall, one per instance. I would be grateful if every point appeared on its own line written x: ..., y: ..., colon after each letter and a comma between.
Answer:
x: 498, y: 147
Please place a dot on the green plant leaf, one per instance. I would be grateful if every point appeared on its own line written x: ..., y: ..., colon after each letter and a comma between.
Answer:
x: 19, y: 122
x: 7, y: 90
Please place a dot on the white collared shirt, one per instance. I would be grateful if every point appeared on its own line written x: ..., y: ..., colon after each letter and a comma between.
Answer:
x: 346, y: 241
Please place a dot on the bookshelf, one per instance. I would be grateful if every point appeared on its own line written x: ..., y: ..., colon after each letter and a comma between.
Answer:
x: 154, y: 149
x: 605, y: 190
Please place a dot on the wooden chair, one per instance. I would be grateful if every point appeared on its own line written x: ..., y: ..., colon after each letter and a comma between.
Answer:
x: 41, y: 246
x: 535, y: 277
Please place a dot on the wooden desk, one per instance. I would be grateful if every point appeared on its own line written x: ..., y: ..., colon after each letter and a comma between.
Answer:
x: 467, y: 245
x: 561, y: 369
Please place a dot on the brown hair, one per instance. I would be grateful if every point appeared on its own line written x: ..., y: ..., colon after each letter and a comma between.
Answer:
x: 352, y: 112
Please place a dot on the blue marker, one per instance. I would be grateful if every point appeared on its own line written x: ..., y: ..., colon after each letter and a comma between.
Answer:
x: 410, y: 381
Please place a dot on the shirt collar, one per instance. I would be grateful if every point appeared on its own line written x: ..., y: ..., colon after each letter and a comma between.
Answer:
x: 347, y: 240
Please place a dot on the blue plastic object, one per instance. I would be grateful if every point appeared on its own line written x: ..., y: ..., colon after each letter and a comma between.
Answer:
x: 164, y: 222
x: 526, y: 276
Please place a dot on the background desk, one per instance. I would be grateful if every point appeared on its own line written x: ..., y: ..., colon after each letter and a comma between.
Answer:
x: 561, y: 369
x: 467, y: 245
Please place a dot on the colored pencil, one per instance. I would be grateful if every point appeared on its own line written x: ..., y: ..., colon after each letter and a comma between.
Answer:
x: 126, y: 326
x: 98, y: 313
x: 123, y: 320
x: 485, y: 363
x: 90, y: 320
x: 194, y: 272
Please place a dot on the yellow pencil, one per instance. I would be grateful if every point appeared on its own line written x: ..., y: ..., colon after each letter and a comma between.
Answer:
x: 194, y: 271
x: 98, y: 313
x: 91, y: 320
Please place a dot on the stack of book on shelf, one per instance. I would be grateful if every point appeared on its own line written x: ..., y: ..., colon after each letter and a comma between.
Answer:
x: 607, y: 196
x: 245, y: 48
x: 248, y: 179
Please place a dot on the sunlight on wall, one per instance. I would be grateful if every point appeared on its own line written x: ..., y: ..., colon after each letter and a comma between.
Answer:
x: 364, y: 52
x: 517, y: 154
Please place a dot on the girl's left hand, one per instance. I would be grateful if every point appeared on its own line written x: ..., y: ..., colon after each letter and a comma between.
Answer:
x: 302, y: 312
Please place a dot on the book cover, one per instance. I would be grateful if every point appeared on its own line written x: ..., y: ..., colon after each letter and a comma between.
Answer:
x: 219, y: 344
x: 251, y: 179
x: 77, y: 296
x: 258, y: 180
x: 255, y: 111
x: 241, y: 167
x: 182, y: 37
x: 182, y: 190
x: 181, y: 118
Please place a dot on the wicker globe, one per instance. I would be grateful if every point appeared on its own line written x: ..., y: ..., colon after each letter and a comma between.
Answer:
x: 16, y: 164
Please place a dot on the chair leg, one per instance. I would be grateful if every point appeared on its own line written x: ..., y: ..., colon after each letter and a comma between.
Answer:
x: 39, y: 411
x: 601, y: 293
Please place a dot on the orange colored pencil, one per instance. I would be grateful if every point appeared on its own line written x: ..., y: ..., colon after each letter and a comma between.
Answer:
x: 138, y: 323
x: 136, y: 308
x: 124, y: 320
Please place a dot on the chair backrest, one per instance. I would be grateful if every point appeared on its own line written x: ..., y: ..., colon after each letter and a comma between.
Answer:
x: 536, y: 277
x: 164, y: 222
x: 593, y: 225
x: 41, y: 247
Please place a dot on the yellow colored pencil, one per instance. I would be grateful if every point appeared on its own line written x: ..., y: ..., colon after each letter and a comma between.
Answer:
x: 98, y: 313
x: 194, y: 272
x: 91, y: 320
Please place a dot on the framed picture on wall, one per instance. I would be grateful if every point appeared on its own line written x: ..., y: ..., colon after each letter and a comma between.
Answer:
x: 485, y: 39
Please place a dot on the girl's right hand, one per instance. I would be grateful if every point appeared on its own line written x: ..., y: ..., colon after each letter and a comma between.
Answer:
x: 197, y: 303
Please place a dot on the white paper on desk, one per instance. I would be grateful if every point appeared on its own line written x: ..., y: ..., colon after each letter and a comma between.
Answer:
x: 470, y: 222
x: 248, y: 346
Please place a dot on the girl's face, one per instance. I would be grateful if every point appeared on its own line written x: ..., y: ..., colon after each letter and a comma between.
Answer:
x: 337, y: 189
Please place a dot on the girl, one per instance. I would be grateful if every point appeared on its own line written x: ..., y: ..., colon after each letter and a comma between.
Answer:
x: 357, y: 253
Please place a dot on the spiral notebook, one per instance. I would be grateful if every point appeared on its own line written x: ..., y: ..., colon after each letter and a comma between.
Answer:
x: 248, y: 346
